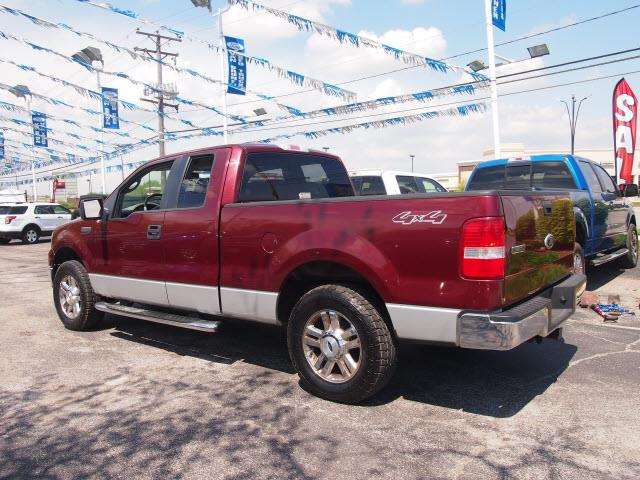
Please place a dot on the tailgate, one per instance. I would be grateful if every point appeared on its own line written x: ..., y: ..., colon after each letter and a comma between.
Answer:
x: 539, y: 243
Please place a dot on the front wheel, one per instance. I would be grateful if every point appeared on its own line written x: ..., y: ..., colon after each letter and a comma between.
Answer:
x: 579, y: 263
x: 340, y: 345
x: 74, y: 297
x: 30, y: 235
x: 630, y: 260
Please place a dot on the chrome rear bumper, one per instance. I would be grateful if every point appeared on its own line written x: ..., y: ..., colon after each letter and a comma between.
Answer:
x: 538, y: 316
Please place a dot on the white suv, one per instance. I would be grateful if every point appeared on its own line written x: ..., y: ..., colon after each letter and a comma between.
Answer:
x: 30, y: 221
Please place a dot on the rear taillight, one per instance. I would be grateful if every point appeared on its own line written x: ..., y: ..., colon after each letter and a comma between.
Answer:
x: 482, y: 249
x: 9, y: 219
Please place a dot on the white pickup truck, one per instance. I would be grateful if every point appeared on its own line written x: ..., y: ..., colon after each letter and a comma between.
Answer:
x: 30, y: 221
x: 392, y: 182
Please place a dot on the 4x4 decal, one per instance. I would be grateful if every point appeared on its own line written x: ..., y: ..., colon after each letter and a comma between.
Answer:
x: 435, y: 217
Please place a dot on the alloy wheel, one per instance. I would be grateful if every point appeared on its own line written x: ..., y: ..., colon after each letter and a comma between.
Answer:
x: 69, y: 296
x: 332, y: 346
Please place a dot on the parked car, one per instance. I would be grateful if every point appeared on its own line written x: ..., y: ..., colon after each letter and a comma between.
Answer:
x: 276, y: 236
x: 605, y: 222
x: 30, y: 221
x: 391, y: 182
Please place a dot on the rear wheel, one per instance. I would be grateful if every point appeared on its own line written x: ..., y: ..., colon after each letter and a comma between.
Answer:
x: 340, y: 345
x: 630, y: 260
x: 74, y: 297
x: 31, y: 234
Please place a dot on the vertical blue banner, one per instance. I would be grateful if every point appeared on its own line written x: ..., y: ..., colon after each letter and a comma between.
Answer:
x: 110, y: 108
x: 1, y: 145
x: 39, y: 121
x: 499, y: 14
x: 237, y: 80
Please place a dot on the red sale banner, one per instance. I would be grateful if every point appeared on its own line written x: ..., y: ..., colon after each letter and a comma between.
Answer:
x: 625, y: 110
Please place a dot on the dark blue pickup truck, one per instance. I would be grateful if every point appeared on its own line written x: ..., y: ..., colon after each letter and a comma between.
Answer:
x: 605, y: 221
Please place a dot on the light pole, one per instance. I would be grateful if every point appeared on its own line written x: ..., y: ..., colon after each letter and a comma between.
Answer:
x: 412, y: 158
x: 22, y: 91
x: 477, y: 65
x: 89, y: 56
x: 573, y: 114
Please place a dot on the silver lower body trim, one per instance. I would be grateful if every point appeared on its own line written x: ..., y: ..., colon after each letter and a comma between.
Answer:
x: 144, y: 291
x: 250, y: 304
x: 201, y: 298
x: 431, y: 324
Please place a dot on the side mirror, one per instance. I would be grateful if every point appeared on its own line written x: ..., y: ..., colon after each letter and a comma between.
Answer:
x: 75, y: 213
x: 91, y: 209
x: 629, y: 190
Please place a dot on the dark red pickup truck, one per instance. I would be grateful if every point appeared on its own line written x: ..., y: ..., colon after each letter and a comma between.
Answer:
x: 276, y: 236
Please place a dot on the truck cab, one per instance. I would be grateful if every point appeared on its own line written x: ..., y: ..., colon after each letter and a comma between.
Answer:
x: 605, y: 220
x: 393, y: 182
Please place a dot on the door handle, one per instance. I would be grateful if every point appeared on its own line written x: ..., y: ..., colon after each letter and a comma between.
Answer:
x: 154, y: 232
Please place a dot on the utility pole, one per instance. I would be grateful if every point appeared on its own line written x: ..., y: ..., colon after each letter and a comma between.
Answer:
x: 573, y: 118
x: 161, y: 92
x: 412, y: 158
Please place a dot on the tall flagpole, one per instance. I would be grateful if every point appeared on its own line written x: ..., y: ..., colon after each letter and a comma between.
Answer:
x: 492, y: 79
x: 222, y: 50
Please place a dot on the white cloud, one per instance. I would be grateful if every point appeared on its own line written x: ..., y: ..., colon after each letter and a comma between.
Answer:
x: 413, y: 2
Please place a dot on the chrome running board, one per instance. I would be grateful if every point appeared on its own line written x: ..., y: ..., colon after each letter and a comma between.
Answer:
x: 609, y: 257
x: 159, y: 317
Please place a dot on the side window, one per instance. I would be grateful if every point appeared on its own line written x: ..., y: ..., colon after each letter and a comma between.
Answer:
x: 144, y: 192
x: 60, y: 210
x: 43, y: 210
x: 369, y: 185
x: 194, y: 185
x: 290, y: 176
x: 518, y: 177
x: 487, y: 178
x: 429, y: 186
x: 407, y: 184
x: 552, y: 175
x: 605, y: 180
x: 591, y: 177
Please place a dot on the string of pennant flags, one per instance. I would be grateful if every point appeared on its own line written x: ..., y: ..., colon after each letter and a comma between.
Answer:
x: 347, y: 38
x: 115, y: 74
x: 281, y: 72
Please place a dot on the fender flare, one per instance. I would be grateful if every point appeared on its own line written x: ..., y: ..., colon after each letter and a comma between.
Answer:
x: 581, y: 220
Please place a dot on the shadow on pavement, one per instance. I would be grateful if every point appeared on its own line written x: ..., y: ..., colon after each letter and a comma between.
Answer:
x: 600, y: 276
x: 497, y: 384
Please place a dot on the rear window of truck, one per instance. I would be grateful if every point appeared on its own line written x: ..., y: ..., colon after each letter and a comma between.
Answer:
x: 273, y: 176
x: 369, y: 185
x: 538, y: 175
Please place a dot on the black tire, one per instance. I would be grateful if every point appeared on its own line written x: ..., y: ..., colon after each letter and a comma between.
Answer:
x: 630, y: 260
x: 31, y: 234
x: 88, y: 317
x: 4, y: 241
x: 377, y: 353
x: 578, y: 257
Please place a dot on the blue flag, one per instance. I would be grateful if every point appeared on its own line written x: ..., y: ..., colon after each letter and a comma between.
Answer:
x: 110, y: 108
x: 237, y: 82
x: 1, y: 145
x: 39, y: 121
x: 499, y: 14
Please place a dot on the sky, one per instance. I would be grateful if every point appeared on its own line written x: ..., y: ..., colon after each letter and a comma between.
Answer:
x: 434, y: 28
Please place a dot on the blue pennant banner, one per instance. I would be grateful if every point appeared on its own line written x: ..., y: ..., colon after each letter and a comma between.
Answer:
x: 499, y: 14
x: 39, y: 121
x: 237, y: 82
x: 110, y: 117
x: 1, y: 145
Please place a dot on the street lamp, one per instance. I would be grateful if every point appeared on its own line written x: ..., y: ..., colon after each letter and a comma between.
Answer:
x: 535, y: 51
x: 87, y: 57
x: 412, y: 158
x: 573, y: 118
x: 22, y: 91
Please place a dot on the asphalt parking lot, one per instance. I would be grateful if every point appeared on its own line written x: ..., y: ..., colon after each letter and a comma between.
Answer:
x: 148, y: 401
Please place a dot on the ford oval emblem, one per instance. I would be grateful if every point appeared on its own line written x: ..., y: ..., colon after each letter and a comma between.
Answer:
x: 549, y: 241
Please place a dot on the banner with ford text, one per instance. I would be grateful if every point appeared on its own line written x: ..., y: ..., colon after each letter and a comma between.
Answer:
x: 499, y: 14
x: 625, y: 110
x: 39, y: 121
x: 237, y: 83
x: 110, y: 118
